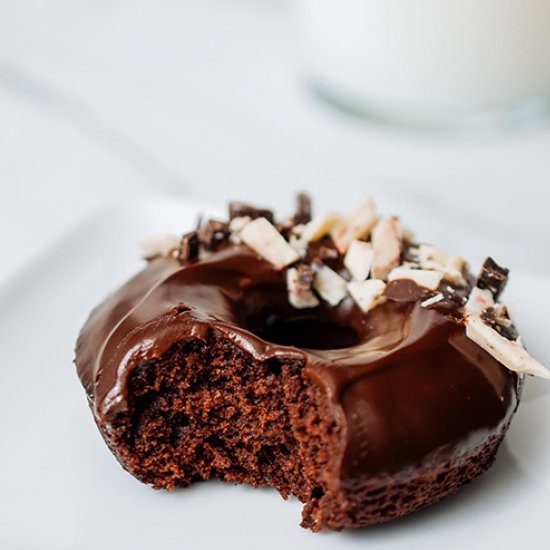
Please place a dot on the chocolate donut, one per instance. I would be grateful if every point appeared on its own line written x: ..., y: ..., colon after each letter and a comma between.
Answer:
x: 333, y: 359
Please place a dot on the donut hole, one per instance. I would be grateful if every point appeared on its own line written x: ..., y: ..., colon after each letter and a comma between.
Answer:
x: 305, y: 331
x: 265, y: 312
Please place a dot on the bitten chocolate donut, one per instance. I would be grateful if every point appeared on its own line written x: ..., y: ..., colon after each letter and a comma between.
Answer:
x: 331, y: 358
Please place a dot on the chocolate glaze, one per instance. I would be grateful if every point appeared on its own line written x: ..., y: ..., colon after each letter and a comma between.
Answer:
x: 410, y: 386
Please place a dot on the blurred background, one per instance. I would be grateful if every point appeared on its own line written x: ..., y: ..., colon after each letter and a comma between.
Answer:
x: 108, y: 100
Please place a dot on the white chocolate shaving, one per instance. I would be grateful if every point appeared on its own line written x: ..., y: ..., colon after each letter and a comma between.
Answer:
x: 358, y: 259
x: 263, y: 238
x: 386, y: 242
x: 452, y: 266
x: 320, y: 226
x: 433, y: 300
x: 160, y: 245
x: 330, y: 286
x: 298, y: 297
x: 367, y: 294
x: 357, y: 225
x: 422, y: 277
x: 479, y: 300
x: 236, y: 224
x: 510, y: 353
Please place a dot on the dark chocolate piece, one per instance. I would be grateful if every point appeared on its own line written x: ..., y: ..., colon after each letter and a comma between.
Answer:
x: 213, y: 234
x: 189, y: 247
x: 324, y: 251
x: 239, y: 209
x: 492, y: 277
x: 410, y: 252
x: 406, y: 290
x: 454, y: 298
x: 303, y: 209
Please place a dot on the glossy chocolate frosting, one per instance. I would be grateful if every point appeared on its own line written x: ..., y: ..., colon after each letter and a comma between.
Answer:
x: 403, y: 379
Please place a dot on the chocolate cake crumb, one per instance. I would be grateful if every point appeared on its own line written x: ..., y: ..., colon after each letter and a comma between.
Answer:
x: 492, y: 277
x: 241, y: 210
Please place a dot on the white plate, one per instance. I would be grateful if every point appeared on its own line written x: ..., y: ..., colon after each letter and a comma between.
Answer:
x: 60, y: 488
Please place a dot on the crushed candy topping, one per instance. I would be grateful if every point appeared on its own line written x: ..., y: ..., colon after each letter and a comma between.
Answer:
x: 263, y: 238
x: 368, y: 258
x: 478, y: 301
x: 367, y: 294
x: 356, y: 226
x: 358, y: 259
x: 189, y: 247
x: 303, y: 209
x: 503, y: 316
x: 387, y: 245
x: 329, y: 285
x: 431, y: 257
x: 241, y: 210
x: 492, y: 277
x: 510, y: 353
x: 422, y: 277
x: 299, y: 281
x: 321, y: 226
x: 484, y: 317
x: 237, y: 223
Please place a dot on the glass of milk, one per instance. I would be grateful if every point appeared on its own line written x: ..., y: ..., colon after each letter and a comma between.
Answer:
x: 430, y: 63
